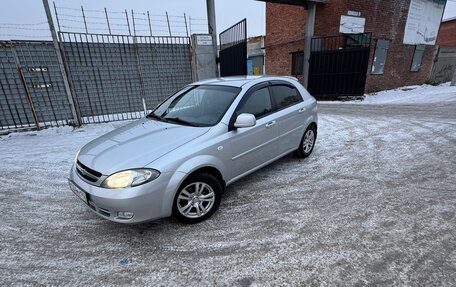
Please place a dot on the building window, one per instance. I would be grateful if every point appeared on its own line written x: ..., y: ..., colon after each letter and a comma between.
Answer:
x: 297, y: 63
x: 381, y: 50
x: 417, y: 58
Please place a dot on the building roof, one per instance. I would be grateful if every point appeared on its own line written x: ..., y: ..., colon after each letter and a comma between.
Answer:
x: 449, y: 19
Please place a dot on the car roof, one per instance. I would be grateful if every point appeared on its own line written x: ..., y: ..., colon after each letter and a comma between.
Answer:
x: 239, y: 81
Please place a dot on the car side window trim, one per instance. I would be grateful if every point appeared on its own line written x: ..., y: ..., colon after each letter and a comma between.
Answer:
x: 244, y: 99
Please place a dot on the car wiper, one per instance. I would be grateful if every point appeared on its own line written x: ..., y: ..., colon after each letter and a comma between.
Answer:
x: 157, y: 117
x: 181, y: 121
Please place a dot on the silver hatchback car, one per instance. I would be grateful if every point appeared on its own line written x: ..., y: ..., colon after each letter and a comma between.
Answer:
x: 179, y: 158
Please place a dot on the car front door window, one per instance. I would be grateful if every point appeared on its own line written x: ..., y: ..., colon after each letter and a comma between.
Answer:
x: 258, y: 103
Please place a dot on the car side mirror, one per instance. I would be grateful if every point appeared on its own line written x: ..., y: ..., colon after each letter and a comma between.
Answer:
x: 245, y: 121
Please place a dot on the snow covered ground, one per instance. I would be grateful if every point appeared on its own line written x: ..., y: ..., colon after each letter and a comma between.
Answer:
x: 424, y: 94
x: 375, y: 204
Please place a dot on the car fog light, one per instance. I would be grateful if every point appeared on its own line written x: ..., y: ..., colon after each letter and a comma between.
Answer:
x: 125, y: 214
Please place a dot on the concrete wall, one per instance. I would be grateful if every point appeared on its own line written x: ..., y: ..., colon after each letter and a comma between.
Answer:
x: 204, y: 64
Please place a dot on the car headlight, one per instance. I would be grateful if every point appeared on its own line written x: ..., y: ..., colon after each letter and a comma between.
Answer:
x: 130, y: 178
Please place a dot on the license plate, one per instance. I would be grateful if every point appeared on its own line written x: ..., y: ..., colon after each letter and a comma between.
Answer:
x: 79, y: 192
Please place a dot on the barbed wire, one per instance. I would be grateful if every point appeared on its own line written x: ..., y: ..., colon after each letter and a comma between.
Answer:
x: 138, y: 23
x: 133, y: 22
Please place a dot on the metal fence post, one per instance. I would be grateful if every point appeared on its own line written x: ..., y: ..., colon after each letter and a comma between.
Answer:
x: 24, y: 83
x: 140, y: 75
x: 76, y: 116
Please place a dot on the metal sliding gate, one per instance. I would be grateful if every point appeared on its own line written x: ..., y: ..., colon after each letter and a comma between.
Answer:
x: 338, y: 66
x: 233, y: 50
x: 117, y: 77
x: 112, y: 77
x: 32, y: 94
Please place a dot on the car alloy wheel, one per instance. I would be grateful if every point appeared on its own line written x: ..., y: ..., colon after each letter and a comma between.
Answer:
x: 307, y: 142
x: 197, y: 199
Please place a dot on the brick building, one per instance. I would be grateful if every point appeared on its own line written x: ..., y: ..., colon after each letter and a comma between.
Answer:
x: 447, y: 33
x: 400, y: 64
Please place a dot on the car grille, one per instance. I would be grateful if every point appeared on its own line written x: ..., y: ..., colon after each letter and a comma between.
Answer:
x: 87, y: 173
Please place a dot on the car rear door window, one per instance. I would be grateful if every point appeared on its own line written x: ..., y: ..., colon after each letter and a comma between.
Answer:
x: 285, y: 96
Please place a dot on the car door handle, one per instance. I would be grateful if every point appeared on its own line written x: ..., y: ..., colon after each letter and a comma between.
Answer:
x: 302, y: 110
x: 270, y: 124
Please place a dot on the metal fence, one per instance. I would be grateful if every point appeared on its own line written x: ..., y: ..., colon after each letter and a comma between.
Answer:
x: 31, y: 88
x: 338, y: 66
x: 121, y: 72
x: 113, y: 77
x: 233, y: 50
x: 117, y: 77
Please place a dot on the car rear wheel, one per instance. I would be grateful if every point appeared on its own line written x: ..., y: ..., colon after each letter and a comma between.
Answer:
x: 197, y: 199
x: 307, y: 142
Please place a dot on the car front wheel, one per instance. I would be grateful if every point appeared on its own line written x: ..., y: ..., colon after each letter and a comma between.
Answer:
x: 307, y: 142
x: 197, y: 198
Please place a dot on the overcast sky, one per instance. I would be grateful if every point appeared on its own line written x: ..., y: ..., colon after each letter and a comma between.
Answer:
x: 15, y: 12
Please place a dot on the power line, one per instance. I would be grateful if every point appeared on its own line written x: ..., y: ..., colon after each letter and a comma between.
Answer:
x: 25, y: 36
x: 23, y: 24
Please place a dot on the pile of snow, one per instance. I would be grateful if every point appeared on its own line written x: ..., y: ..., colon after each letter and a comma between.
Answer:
x: 424, y: 94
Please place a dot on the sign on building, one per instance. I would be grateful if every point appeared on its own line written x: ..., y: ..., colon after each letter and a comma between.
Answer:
x: 351, y: 25
x: 204, y: 40
x: 423, y: 21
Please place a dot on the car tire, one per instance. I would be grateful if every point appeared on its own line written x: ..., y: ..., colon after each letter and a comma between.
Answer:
x: 197, y: 199
x: 307, y: 142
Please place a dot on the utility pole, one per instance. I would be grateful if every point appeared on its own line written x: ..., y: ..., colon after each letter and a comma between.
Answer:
x: 308, y: 40
x: 210, y: 5
x: 76, y: 117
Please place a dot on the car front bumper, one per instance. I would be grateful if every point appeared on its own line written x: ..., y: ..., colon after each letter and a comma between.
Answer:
x: 148, y: 201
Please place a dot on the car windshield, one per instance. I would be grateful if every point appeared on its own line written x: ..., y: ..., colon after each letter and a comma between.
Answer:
x: 202, y: 105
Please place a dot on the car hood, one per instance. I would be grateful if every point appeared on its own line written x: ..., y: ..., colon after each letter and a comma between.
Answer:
x: 135, y: 145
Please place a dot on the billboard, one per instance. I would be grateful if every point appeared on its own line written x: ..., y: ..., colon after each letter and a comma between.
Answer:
x: 423, y: 21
